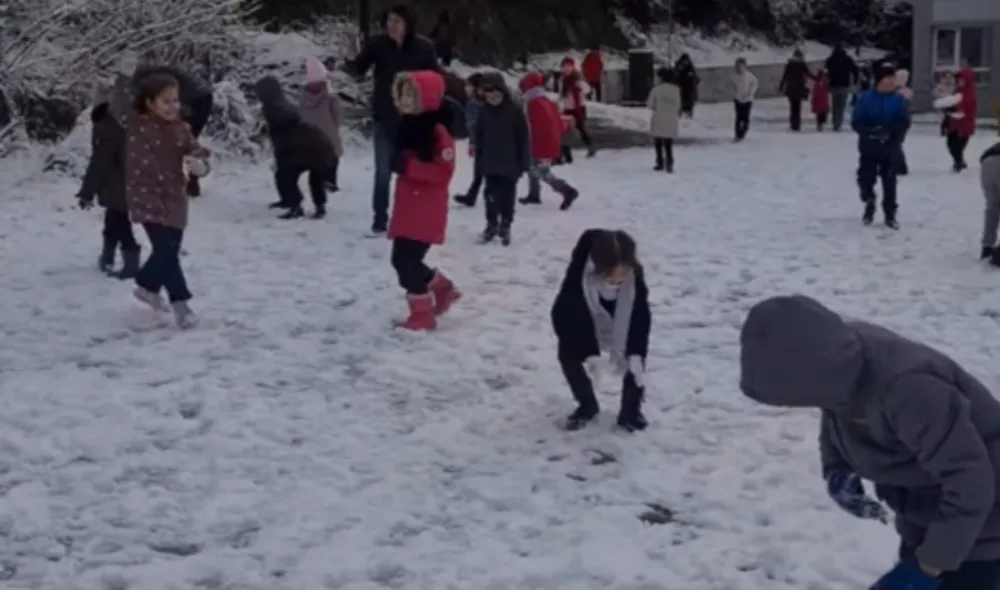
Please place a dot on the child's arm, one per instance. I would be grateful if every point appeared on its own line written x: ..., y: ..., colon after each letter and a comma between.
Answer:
x: 98, y: 168
x: 440, y: 169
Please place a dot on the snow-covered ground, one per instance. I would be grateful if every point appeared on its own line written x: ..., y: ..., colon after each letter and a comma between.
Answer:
x: 296, y: 442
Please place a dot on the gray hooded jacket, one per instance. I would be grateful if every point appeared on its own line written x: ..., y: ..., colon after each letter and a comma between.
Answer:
x: 896, y: 412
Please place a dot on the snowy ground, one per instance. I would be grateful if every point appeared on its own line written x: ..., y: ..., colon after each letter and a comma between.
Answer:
x: 296, y: 442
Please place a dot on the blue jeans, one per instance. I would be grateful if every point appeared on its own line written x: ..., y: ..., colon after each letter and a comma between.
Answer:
x: 385, y: 147
x: 162, y: 269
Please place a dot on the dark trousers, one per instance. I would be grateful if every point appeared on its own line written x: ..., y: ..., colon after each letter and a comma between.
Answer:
x: 118, y: 231
x: 870, y: 170
x: 500, y: 194
x: 286, y: 178
x: 332, y: 176
x: 582, y: 387
x: 408, y: 261
x: 971, y: 575
x: 795, y: 114
x: 473, y: 193
x: 821, y: 120
x: 664, y: 147
x: 598, y: 91
x: 742, y: 118
x: 839, y: 98
x: 580, y: 122
x: 162, y: 270
x: 956, y: 147
x: 199, y: 112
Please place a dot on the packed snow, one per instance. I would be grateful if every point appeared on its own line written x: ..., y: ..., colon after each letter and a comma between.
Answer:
x: 295, y: 441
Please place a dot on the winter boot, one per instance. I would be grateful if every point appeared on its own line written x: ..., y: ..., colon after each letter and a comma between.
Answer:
x: 293, y: 213
x: 444, y: 292
x: 583, y: 416
x: 193, y: 187
x: 421, y: 316
x: 869, y: 215
x: 995, y: 257
x: 986, y: 253
x: 658, y: 166
x: 630, y: 416
x: 489, y: 234
x: 569, y: 194
x: 504, y: 235
x: 531, y: 199
x: 185, y: 318
x: 130, y: 265
x: 465, y: 200
x: 320, y: 212
x: 106, y: 261
x: 891, y: 223
x: 279, y: 205
x: 591, y: 152
x: 153, y: 300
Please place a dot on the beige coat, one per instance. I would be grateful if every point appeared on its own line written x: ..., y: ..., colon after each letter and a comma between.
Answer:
x: 323, y: 110
x: 665, y: 102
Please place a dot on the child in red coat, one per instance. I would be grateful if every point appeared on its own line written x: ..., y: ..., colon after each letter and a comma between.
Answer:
x: 424, y: 163
x: 546, y: 128
x: 821, y: 98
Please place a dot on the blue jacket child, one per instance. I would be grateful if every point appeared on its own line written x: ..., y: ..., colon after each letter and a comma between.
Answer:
x: 880, y: 118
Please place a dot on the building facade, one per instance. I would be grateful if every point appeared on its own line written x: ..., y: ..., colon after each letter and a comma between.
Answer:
x: 950, y: 34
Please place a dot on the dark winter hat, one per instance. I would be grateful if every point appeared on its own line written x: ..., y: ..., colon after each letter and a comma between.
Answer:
x: 884, y: 70
x: 406, y: 13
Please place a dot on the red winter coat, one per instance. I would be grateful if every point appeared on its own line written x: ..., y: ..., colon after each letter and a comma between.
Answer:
x: 820, y: 98
x: 545, y: 123
x: 965, y: 84
x: 420, y: 205
x: 593, y: 67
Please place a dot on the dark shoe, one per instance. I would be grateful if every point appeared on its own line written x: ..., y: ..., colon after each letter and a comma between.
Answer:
x: 293, y: 213
x: 986, y: 252
x: 489, y: 234
x: 379, y: 228
x: 670, y: 168
x: 891, y: 223
x: 659, y: 167
x: 504, y: 235
x: 193, y: 187
x: 331, y: 187
x: 279, y: 205
x: 465, y: 200
x: 580, y: 418
x: 569, y: 195
x: 591, y: 152
x: 869, y: 215
x: 530, y: 200
x: 130, y: 266
x: 995, y: 257
x: 106, y: 261
x: 319, y: 213
x: 632, y: 423
x: 959, y: 167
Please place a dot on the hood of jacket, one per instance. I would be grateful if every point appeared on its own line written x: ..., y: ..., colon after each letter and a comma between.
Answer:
x: 794, y: 352
x: 531, y: 81
x: 409, y: 18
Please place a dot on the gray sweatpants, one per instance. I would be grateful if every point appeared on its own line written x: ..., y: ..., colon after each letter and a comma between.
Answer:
x: 990, y: 176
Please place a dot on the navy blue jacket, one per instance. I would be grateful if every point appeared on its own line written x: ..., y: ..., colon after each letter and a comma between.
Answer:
x: 880, y: 119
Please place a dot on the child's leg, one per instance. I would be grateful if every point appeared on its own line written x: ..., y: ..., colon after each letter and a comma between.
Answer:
x: 580, y: 386
x: 658, y: 149
x: 887, y: 173
x: 408, y: 261
x: 546, y: 175
x: 173, y: 275
x: 110, y: 234
x: 668, y: 149
x: 150, y: 276
x: 505, y: 195
x: 630, y: 414
x: 126, y: 237
x: 534, y: 185
x: 317, y: 188
x: 490, y: 204
x: 332, y: 175
x: 990, y: 180
x: 286, y: 179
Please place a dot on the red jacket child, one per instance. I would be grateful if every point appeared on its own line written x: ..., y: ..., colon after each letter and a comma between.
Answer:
x: 964, y: 125
x: 545, y: 123
x: 820, y: 99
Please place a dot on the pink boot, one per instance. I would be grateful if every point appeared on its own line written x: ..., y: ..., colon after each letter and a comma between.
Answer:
x: 421, y: 313
x: 444, y: 292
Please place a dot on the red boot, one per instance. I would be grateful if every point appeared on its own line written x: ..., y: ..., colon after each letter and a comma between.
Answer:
x: 421, y: 313
x: 444, y: 292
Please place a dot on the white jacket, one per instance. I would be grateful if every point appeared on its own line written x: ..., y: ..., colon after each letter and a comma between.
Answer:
x: 744, y: 86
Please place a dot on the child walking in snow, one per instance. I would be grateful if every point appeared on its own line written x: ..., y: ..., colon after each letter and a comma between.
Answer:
x: 323, y: 109
x: 573, y: 90
x: 603, y: 306
x: 502, y: 156
x: 473, y: 109
x: 425, y: 164
x: 961, y: 124
x: 989, y: 175
x: 880, y: 118
x: 105, y: 178
x: 664, y: 123
x: 899, y: 414
x: 545, y: 126
x: 298, y: 147
x: 745, y: 85
x: 157, y: 144
x: 820, y: 99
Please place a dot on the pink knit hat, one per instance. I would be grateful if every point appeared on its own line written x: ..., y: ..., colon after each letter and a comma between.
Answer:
x: 315, y: 71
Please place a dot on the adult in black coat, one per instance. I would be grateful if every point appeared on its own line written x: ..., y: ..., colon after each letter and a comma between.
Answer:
x: 795, y: 86
x: 603, y: 306
x: 843, y: 75
x: 298, y: 147
x: 687, y: 80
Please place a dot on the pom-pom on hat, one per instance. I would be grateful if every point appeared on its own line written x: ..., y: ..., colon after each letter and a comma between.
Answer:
x: 418, y: 92
x: 315, y: 71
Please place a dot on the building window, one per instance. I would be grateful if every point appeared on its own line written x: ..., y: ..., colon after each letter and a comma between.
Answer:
x: 958, y: 47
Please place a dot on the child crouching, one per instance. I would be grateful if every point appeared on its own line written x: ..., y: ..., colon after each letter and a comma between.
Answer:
x: 157, y: 143
x: 425, y: 164
x: 603, y: 306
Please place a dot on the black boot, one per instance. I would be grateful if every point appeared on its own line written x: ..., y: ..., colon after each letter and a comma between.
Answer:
x: 891, y: 223
x: 293, y: 213
x: 659, y: 167
x: 995, y: 257
x: 130, y: 264
x: 489, y: 234
x: 320, y: 212
x: 279, y: 205
x: 533, y: 199
x: 630, y: 416
x: 569, y: 195
x: 504, y: 234
x: 869, y: 215
x: 106, y: 261
x: 583, y: 416
x: 466, y: 200
x: 986, y: 253
x: 193, y: 186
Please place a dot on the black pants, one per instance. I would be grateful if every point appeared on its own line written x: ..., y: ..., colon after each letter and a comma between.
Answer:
x: 971, y: 575
x: 742, y: 118
x: 286, y: 178
x: 795, y: 114
x: 162, y: 270
x: 118, y: 231
x: 821, y: 120
x: 473, y: 193
x: 598, y: 91
x: 956, y: 147
x: 500, y: 194
x: 408, y: 261
x: 582, y: 387
x: 664, y: 147
x: 873, y: 168
x: 580, y: 122
x: 332, y: 176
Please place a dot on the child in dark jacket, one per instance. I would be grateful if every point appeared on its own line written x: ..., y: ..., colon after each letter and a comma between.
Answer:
x: 105, y: 178
x: 603, y: 306
x: 880, y: 118
x: 298, y: 147
x: 473, y: 109
x: 502, y: 157
x: 897, y: 413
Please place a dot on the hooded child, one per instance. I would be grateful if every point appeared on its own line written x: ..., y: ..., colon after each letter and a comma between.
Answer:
x: 603, y: 307
x: 899, y: 414
x: 573, y: 91
x: 820, y: 99
x: 105, y: 179
x: 157, y: 142
x: 989, y: 175
x: 424, y: 164
x: 745, y: 86
x: 545, y: 127
x: 322, y: 108
x: 503, y: 156
x: 664, y: 101
x: 961, y: 107
x: 298, y: 147
x: 880, y: 118
x: 473, y: 109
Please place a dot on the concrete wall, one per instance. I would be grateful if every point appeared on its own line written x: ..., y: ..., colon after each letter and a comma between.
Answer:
x: 965, y: 10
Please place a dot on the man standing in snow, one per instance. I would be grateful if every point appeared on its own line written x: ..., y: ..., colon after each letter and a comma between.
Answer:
x: 398, y: 50
x: 843, y: 73
x: 880, y: 118
x: 897, y: 413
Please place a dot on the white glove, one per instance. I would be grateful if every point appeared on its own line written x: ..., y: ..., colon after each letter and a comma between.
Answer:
x: 198, y: 167
x: 638, y: 370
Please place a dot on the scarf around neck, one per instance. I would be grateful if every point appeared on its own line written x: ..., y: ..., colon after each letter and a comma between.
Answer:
x: 611, y: 330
